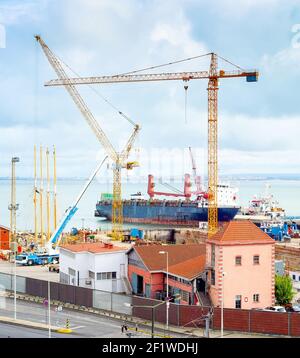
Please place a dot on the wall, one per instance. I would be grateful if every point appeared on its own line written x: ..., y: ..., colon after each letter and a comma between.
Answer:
x: 257, y: 279
x: 4, y: 239
x: 104, y: 262
x: 290, y: 255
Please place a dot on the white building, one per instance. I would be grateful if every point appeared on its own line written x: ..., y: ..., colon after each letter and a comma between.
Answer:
x: 94, y: 265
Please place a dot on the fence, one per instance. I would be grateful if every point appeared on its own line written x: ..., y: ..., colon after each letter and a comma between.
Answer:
x: 69, y: 294
x: 252, y: 321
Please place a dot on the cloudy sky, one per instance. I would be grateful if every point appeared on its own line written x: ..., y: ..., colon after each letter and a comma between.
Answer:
x: 259, y: 123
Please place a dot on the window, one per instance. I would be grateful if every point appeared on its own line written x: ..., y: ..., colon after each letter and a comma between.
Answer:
x: 294, y: 277
x: 72, y: 272
x: 238, y: 301
x: 256, y: 259
x: 213, y: 277
x: 256, y: 297
x: 213, y: 255
x: 92, y: 275
x: 238, y: 260
x: 185, y: 296
x: 106, y: 275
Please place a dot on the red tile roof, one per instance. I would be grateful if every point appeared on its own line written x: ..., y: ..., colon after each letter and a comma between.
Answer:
x: 186, y: 261
x: 189, y: 269
x: 241, y: 232
x: 94, y: 248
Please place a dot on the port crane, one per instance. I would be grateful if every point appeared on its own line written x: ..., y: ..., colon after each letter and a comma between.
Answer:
x: 197, y: 179
x: 119, y: 158
x: 213, y: 75
x: 52, y: 254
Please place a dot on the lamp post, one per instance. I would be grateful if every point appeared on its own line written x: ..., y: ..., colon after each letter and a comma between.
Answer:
x: 167, y: 283
x: 152, y: 311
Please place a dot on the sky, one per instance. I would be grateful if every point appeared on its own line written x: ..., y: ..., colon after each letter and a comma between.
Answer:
x: 259, y: 126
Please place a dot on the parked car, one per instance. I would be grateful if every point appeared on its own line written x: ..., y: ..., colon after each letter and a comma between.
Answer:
x: 292, y: 308
x: 275, y: 309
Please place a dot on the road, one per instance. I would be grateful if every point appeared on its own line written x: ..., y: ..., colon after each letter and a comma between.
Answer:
x: 83, y: 324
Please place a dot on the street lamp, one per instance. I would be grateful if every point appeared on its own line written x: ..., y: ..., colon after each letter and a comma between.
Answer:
x: 168, y: 303
x: 152, y: 311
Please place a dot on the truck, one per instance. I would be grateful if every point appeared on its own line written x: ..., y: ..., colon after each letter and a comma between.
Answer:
x: 30, y: 259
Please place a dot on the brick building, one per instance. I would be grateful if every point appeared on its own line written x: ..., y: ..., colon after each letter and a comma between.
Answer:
x: 147, y: 271
x: 246, y: 255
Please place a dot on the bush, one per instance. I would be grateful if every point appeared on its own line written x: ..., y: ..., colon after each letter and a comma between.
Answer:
x: 284, y: 292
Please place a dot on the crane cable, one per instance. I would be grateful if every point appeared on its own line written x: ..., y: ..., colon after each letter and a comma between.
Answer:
x: 99, y: 94
x: 164, y: 64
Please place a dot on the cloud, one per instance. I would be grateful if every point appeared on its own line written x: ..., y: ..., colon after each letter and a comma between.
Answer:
x: 14, y: 12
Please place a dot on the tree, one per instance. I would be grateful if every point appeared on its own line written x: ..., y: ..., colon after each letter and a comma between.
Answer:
x: 284, y: 292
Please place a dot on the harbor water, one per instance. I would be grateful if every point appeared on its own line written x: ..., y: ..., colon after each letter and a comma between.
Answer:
x: 287, y: 192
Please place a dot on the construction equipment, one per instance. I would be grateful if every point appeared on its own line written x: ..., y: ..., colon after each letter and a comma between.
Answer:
x: 197, y: 178
x: 53, y: 243
x: 51, y: 256
x: 119, y: 159
x: 186, y: 193
x: 213, y: 75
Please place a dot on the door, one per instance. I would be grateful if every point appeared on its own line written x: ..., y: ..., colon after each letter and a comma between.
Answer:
x: 134, y: 282
x: 147, y: 291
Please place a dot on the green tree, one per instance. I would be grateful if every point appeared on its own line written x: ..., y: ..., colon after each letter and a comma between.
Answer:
x: 284, y: 292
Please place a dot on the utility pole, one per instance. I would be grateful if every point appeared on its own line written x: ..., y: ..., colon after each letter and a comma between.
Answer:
x: 13, y: 207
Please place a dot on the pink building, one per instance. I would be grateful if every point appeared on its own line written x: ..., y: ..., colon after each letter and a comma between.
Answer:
x: 246, y: 255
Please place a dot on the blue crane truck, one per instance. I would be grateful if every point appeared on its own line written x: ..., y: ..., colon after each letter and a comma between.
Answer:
x: 30, y: 259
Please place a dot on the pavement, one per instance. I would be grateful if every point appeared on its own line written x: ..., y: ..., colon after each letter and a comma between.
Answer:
x: 38, y: 272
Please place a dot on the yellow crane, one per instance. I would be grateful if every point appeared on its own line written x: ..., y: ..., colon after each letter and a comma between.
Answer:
x: 119, y: 158
x: 213, y: 75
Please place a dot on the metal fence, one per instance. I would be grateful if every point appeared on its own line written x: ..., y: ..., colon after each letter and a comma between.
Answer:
x: 80, y: 296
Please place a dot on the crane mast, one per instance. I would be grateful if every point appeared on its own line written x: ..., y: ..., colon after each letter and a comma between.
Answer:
x: 118, y: 158
x: 213, y: 76
x: 213, y: 146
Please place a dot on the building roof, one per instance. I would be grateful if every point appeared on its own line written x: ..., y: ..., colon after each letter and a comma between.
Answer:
x: 94, y: 248
x: 186, y: 261
x: 189, y: 269
x: 241, y: 232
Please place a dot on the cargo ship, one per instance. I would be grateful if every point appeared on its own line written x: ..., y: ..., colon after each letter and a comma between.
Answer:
x: 179, y: 212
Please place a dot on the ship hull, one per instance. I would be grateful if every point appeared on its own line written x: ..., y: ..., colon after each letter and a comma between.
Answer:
x: 164, y: 213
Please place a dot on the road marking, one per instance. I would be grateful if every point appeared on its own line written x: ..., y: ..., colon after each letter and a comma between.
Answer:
x: 77, y: 327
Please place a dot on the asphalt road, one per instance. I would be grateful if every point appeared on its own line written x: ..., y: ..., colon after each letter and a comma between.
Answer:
x: 12, y: 331
x: 83, y: 324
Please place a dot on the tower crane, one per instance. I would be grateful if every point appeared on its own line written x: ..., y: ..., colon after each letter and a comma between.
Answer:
x: 119, y: 158
x: 213, y: 75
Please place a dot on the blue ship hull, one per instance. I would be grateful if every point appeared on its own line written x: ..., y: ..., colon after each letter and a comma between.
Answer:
x: 164, y: 212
